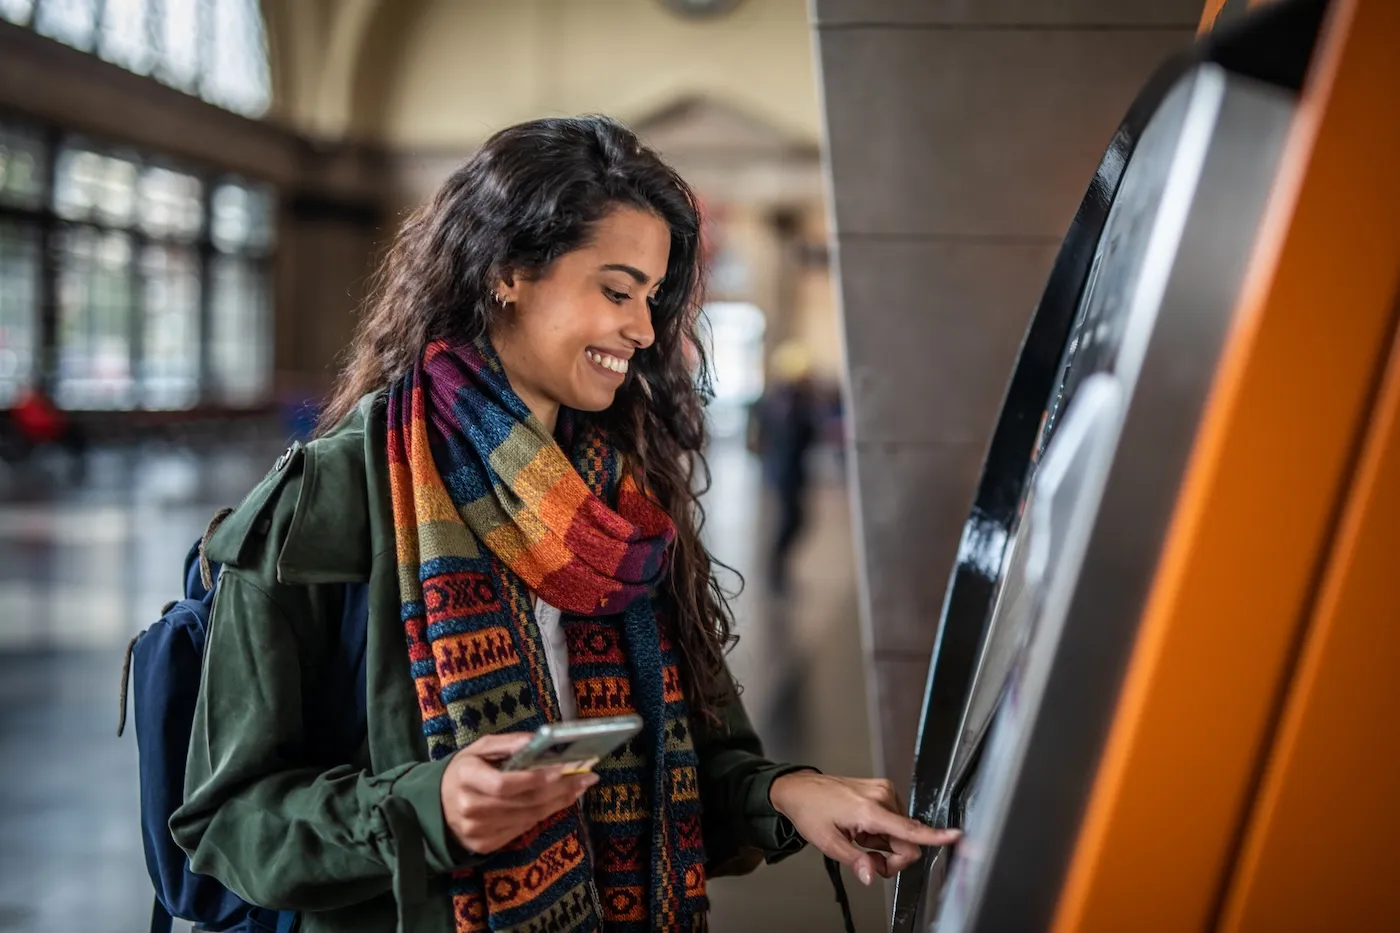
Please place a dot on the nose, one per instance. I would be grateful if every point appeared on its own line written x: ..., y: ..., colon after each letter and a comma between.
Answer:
x: 637, y: 329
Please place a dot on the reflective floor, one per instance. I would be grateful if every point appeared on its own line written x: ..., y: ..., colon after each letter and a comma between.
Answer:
x: 86, y: 563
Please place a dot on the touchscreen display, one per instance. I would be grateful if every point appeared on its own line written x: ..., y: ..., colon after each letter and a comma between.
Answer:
x: 1060, y: 511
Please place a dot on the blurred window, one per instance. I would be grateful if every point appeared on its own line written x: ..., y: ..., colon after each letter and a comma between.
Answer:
x: 733, y: 333
x: 240, y: 359
x: 216, y: 49
x: 16, y: 11
x: 19, y: 307
x: 170, y: 303
x: 95, y: 298
x: 22, y: 161
x: 157, y: 277
x: 23, y: 156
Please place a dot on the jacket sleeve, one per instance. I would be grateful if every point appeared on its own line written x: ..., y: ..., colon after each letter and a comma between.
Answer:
x: 740, y: 825
x: 276, y: 831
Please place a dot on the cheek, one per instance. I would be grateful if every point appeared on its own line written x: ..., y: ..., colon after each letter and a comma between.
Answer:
x: 551, y: 328
x: 582, y: 323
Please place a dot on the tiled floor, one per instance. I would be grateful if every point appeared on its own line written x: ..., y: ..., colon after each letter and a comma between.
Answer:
x: 83, y: 567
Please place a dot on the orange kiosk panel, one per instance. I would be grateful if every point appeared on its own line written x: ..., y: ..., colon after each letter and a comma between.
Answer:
x: 1317, y: 853
x: 1271, y: 468
x: 1218, y: 10
x: 1165, y: 672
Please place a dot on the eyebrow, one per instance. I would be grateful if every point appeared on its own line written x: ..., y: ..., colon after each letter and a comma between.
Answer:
x: 638, y: 275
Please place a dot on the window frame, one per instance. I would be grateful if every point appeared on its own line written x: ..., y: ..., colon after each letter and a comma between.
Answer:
x: 51, y: 226
x: 204, y: 83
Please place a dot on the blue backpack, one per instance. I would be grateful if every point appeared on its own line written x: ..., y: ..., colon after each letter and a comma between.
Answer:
x: 163, y: 666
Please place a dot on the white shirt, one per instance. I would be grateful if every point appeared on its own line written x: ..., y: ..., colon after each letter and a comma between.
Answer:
x: 556, y: 654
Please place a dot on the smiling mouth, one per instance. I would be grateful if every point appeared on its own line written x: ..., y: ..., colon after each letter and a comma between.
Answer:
x: 613, y: 364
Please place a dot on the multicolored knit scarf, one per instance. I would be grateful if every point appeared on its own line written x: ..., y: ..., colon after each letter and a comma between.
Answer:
x: 489, y: 511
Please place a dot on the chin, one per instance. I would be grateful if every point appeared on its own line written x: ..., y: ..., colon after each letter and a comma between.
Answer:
x: 592, y: 401
x: 595, y: 405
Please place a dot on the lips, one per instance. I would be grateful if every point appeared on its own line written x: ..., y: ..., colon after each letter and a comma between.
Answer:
x: 606, y: 360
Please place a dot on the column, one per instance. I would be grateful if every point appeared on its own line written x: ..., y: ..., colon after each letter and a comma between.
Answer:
x: 961, y: 135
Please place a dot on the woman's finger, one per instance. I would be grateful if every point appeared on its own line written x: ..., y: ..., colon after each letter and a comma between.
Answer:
x: 498, y: 828
x: 837, y: 846
x: 902, y: 858
x: 878, y: 864
x: 566, y: 788
x: 550, y: 807
x: 498, y: 747
x: 873, y: 841
x: 905, y: 850
x: 879, y: 821
x: 899, y: 854
x: 481, y: 777
x: 555, y: 796
x: 568, y: 793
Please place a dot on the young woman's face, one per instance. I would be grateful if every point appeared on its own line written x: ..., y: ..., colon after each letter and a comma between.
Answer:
x: 567, y: 337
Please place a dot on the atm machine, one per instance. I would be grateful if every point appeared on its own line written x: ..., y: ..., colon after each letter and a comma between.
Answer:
x: 1171, y: 622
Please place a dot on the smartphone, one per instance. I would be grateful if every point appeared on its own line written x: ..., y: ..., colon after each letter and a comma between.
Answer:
x: 578, y: 744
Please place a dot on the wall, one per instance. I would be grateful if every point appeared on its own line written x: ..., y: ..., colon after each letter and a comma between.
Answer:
x: 962, y: 135
x: 731, y: 102
x: 467, y: 67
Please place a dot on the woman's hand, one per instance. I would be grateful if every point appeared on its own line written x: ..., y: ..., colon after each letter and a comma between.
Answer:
x: 486, y: 807
x: 845, y: 817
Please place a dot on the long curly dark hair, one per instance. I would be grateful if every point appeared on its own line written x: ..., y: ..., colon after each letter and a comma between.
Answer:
x: 531, y: 194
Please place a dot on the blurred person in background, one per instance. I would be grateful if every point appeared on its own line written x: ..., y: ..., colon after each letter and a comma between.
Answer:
x: 508, y: 461
x: 791, y: 418
x: 34, y: 422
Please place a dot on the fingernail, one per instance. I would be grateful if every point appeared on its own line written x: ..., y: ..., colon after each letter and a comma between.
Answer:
x: 863, y: 873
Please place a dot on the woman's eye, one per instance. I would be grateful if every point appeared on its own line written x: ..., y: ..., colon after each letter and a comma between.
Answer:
x: 616, y: 297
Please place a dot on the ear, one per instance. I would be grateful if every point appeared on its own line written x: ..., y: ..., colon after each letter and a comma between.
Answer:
x: 504, y: 289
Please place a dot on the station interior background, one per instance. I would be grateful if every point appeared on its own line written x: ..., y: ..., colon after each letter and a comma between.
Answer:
x: 193, y: 194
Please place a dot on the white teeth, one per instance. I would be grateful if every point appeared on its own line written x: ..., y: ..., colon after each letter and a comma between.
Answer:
x: 608, y: 362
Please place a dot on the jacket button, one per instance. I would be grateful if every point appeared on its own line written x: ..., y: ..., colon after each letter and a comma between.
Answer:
x: 284, y: 459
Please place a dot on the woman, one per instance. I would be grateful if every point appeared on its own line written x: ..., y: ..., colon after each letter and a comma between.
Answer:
x: 509, y: 461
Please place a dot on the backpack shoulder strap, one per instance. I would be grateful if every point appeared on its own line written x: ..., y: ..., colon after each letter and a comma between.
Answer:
x: 833, y: 871
x: 206, y: 577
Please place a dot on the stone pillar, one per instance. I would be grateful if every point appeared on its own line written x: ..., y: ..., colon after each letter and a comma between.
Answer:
x: 961, y: 135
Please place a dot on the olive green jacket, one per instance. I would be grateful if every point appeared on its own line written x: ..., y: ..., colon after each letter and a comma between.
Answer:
x: 359, y: 845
